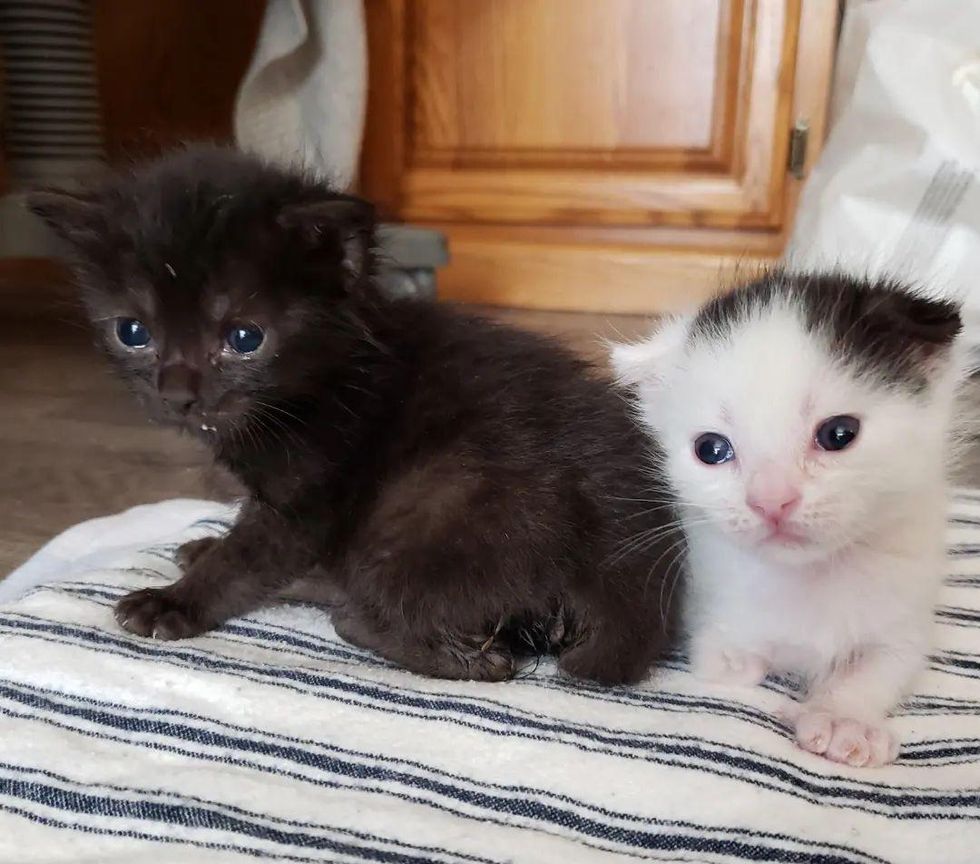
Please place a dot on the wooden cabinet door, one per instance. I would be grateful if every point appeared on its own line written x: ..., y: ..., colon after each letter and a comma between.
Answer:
x: 579, y: 129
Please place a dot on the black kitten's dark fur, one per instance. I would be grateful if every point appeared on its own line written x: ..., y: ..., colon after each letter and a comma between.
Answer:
x: 442, y: 482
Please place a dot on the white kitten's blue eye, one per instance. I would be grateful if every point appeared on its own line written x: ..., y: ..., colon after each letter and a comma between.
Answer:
x: 837, y: 432
x: 713, y: 449
x: 245, y: 340
x: 132, y: 333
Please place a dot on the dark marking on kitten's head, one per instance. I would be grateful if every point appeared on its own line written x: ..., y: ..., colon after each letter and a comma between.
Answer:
x: 882, y: 328
x: 232, y: 265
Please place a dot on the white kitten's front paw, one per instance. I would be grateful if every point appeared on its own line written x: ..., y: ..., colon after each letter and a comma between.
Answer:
x: 850, y: 742
x: 728, y: 666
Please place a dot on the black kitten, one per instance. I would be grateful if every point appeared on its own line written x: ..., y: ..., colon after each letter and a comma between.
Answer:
x: 443, y: 482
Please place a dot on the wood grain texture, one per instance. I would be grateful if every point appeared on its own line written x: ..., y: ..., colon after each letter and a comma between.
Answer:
x: 532, y: 81
x: 631, y: 112
x: 169, y: 69
x: 385, y: 131
x: 815, y: 53
x: 610, y: 278
x: 35, y: 287
x: 558, y: 156
x: 4, y: 180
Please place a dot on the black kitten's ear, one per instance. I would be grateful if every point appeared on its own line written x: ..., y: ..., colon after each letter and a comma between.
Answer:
x: 322, y: 223
x: 77, y: 218
x: 931, y: 322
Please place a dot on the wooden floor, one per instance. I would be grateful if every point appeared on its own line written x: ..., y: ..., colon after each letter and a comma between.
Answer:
x: 74, y: 446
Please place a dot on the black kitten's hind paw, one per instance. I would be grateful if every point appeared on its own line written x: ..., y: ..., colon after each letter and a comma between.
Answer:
x: 157, y: 613
x: 446, y: 655
x: 190, y: 551
x: 605, y: 662
x: 471, y: 658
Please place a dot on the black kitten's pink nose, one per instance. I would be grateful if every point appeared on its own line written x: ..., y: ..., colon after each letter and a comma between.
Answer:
x: 179, y: 386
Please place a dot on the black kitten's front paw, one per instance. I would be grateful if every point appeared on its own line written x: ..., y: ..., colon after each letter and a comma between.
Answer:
x: 190, y: 551
x: 158, y: 613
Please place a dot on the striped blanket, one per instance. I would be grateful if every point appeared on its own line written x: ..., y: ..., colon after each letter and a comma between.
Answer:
x: 273, y: 739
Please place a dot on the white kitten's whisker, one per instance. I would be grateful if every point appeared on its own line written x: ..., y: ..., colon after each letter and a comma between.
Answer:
x: 639, y: 543
x: 680, y: 544
x: 673, y: 576
x: 649, y: 511
x: 645, y: 539
x: 666, y: 501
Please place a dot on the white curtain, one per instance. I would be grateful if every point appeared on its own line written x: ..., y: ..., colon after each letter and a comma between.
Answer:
x: 303, y: 97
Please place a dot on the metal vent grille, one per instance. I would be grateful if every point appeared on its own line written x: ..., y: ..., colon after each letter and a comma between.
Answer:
x: 51, y: 124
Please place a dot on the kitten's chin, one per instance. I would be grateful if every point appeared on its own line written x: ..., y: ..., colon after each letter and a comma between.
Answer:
x: 202, y: 426
x: 791, y: 551
x: 794, y: 547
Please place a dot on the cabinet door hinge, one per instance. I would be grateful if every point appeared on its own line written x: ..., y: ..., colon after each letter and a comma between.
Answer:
x: 799, y: 137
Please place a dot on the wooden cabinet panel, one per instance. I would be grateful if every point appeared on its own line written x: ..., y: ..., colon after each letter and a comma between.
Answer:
x: 169, y: 69
x: 596, y: 116
x: 532, y: 82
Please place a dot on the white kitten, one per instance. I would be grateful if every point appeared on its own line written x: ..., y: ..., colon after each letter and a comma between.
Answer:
x: 805, y: 425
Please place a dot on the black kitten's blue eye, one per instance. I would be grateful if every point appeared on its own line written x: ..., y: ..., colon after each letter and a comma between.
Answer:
x: 837, y: 432
x: 713, y: 449
x: 132, y: 333
x: 245, y: 340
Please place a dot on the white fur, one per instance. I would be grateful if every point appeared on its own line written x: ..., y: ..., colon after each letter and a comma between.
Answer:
x: 851, y: 607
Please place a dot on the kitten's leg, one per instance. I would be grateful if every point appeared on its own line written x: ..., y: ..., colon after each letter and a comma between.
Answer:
x: 423, y: 588
x: 228, y: 577
x: 448, y: 655
x: 190, y: 551
x: 313, y: 586
x: 614, y: 635
x: 605, y: 655
x: 720, y: 663
x: 434, y: 651
x: 844, y: 715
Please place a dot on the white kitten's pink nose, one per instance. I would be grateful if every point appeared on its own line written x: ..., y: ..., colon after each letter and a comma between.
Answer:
x: 772, y: 497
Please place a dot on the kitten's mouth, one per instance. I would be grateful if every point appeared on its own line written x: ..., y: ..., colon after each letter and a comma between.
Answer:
x: 207, y: 426
x: 217, y: 419
x: 784, y: 535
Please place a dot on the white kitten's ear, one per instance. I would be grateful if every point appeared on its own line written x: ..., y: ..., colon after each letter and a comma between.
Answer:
x: 645, y: 362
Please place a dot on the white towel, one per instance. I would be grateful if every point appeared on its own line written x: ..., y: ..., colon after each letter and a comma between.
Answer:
x: 273, y: 739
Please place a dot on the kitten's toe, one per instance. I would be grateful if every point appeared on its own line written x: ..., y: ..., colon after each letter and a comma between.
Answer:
x: 471, y: 658
x: 848, y: 744
x: 155, y: 612
x: 491, y: 665
x: 884, y: 746
x: 190, y: 551
x: 847, y: 741
x: 731, y: 666
x: 474, y: 658
x: 814, y: 730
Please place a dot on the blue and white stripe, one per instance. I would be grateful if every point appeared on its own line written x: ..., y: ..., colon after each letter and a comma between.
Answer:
x: 273, y: 739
